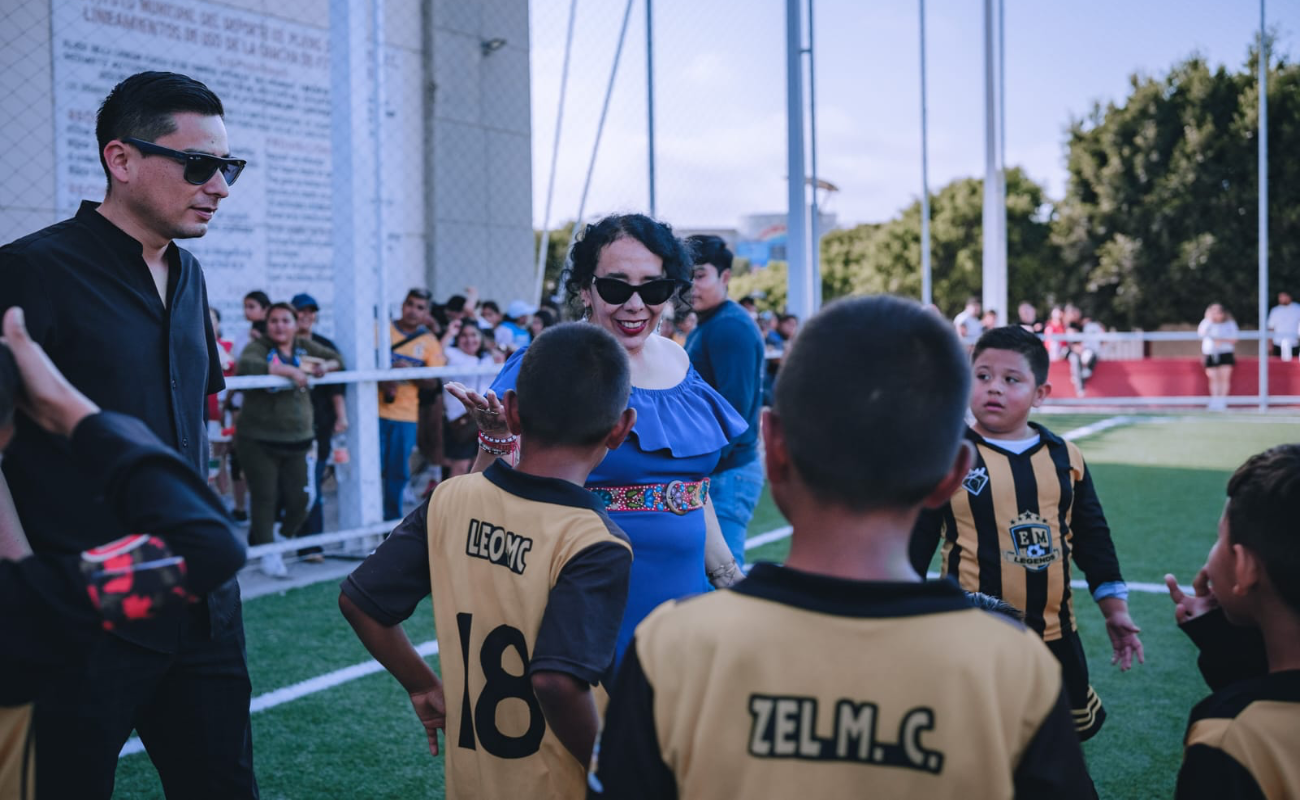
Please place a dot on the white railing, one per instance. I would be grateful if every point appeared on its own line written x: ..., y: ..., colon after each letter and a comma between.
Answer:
x: 366, y: 380
x: 1115, y: 346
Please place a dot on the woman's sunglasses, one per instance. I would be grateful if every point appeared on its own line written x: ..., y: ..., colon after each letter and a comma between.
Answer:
x: 617, y: 292
x: 199, y: 167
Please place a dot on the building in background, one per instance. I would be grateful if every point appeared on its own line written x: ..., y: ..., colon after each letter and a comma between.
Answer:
x: 449, y: 163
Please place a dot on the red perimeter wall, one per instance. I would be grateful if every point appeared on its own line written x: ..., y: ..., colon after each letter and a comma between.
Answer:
x: 1174, y: 377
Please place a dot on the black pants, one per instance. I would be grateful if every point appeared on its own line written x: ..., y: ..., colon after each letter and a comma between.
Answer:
x: 189, y: 707
x: 1089, y: 714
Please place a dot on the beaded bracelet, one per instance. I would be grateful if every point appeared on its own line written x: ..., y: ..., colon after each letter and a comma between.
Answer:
x: 497, y: 447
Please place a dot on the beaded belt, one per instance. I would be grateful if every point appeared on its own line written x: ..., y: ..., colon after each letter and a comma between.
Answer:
x: 677, y: 496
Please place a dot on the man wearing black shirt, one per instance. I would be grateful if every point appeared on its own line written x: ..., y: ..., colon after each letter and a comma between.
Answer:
x: 123, y: 313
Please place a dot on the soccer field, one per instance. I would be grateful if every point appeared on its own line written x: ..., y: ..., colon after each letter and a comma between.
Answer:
x: 320, y: 731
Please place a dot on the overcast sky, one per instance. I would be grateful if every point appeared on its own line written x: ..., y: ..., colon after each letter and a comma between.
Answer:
x: 720, y: 94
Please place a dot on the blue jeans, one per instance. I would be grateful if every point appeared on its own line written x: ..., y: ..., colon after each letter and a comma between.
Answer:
x: 395, y: 442
x: 735, y: 494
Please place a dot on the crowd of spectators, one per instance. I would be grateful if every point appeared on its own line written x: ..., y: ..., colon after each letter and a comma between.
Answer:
x: 274, y: 449
x: 1062, y: 320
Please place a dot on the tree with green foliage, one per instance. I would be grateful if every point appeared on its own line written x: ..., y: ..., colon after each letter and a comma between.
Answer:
x: 886, y: 257
x: 1160, y: 216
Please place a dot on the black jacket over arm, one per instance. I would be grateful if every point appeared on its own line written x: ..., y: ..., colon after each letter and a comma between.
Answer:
x: 45, y: 612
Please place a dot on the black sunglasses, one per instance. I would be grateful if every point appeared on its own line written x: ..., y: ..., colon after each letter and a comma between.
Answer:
x: 199, y: 167
x: 617, y: 292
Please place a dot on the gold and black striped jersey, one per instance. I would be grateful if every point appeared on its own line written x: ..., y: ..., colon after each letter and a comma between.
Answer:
x: 792, y: 684
x: 1242, y: 740
x: 1013, y: 525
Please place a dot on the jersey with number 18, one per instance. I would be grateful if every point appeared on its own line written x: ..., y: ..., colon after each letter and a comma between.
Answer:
x: 527, y: 574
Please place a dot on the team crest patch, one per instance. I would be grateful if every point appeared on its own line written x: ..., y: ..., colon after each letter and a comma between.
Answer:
x: 976, y: 480
x: 1031, y: 536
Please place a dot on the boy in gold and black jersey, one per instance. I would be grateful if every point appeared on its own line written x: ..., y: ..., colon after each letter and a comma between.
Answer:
x: 1242, y: 741
x: 529, y: 579
x: 1026, y: 507
x: 841, y: 673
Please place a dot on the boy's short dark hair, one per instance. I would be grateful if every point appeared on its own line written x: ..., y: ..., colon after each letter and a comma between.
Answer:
x: 997, y: 605
x: 489, y: 305
x: 455, y: 303
x: 1017, y: 340
x: 872, y: 399
x: 144, y: 107
x: 710, y: 249
x: 573, y: 385
x: 1263, y: 495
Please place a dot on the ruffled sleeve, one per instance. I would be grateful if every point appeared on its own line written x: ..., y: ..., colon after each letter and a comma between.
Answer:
x: 509, y: 374
x: 690, y: 419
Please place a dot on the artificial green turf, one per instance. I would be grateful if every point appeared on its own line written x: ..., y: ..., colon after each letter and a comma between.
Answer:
x: 1161, y: 483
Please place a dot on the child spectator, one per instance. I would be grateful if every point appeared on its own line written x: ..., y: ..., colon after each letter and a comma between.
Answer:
x: 1026, y: 506
x: 529, y: 578
x: 1242, y: 740
x: 1055, y: 327
x: 512, y: 332
x: 860, y: 680
x: 256, y: 304
x: 460, y: 435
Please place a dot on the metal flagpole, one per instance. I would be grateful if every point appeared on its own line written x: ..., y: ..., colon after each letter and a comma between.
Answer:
x: 1263, y: 210
x: 995, y: 206
x: 797, y: 299
x: 382, y: 357
x: 926, y: 289
x: 555, y: 157
x: 814, y: 253
x: 650, y: 96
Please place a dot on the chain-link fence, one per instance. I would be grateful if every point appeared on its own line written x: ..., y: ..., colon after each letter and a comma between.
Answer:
x: 489, y: 119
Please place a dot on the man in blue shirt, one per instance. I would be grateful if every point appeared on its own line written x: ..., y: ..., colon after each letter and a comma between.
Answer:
x: 727, y: 350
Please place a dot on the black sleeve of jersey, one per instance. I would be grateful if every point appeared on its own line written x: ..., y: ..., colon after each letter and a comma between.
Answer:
x: 925, y: 538
x: 583, y: 614
x: 1094, y: 551
x: 629, y: 765
x: 1212, y: 774
x: 1052, y: 765
x: 1229, y: 653
x: 395, y: 578
x: 44, y: 612
x: 152, y: 491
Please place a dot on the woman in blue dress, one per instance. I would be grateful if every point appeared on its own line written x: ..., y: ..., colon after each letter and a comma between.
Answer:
x: 625, y: 271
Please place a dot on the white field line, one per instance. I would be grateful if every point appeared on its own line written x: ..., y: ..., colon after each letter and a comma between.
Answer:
x: 340, y: 676
x: 1098, y: 427
x: 303, y: 688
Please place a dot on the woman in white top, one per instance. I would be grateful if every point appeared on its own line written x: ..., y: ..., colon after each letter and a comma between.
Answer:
x: 1218, y: 332
x: 460, y: 431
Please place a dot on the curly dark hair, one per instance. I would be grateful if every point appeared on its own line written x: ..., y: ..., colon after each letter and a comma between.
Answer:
x: 657, y: 237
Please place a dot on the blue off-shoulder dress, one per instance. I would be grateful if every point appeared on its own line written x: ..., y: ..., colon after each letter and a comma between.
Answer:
x: 679, y: 434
